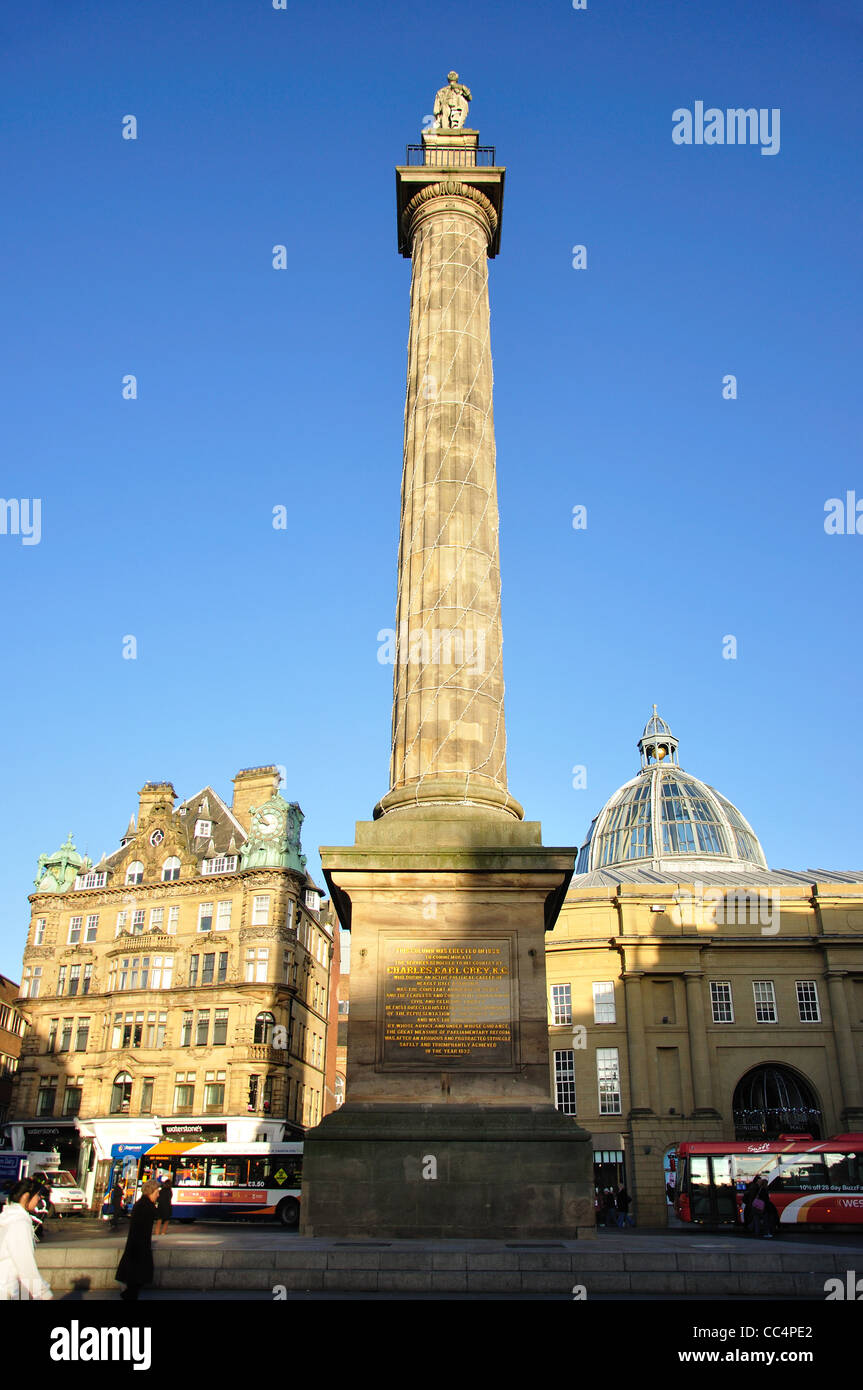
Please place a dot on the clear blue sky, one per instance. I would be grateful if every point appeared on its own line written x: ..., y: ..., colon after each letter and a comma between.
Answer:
x: 260, y: 387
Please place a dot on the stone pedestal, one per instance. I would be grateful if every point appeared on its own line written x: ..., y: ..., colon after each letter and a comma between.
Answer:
x: 449, y: 1127
x: 442, y: 1171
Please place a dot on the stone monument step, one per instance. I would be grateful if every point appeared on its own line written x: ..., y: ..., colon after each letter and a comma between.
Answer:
x: 735, y: 1267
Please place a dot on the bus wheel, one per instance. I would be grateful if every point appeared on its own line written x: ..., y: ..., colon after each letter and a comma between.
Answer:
x: 288, y: 1212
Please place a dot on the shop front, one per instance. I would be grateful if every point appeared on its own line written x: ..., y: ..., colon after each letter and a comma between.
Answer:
x: 240, y: 1130
x: 58, y: 1137
x: 109, y: 1140
x: 609, y: 1168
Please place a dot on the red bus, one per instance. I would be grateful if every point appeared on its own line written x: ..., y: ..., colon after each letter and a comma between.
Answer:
x: 811, y: 1181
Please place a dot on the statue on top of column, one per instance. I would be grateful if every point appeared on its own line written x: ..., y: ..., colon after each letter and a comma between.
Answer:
x: 451, y: 104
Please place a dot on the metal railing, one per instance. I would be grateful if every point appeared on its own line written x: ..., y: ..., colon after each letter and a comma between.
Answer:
x: 444, y: 157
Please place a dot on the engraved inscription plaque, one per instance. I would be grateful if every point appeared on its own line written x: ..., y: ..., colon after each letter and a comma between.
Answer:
x: 448, y: 1004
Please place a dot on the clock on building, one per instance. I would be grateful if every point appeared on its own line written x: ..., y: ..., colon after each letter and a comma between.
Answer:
x: 268, y: 821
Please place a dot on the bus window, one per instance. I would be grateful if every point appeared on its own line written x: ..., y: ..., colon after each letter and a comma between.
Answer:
x: 260, y: 1170
x: 844, y: 1171
x: 723, y: 1187
x: 805, y: 1173
x: 748, y: 1166
x: 288, y: 1171
x: 699, y: 1187
x: 190, y: 1174
x: 227, y: 1172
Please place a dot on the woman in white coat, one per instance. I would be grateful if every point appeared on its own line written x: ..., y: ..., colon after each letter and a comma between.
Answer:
x: 19, y: 1275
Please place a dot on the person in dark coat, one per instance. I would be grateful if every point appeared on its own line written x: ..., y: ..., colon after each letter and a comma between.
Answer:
x: 163, y: 1207
x: 610, y: 1209
x: 623, y: 1201
x: 136, y: 1266
x: 771, y: 1214
x: 749, y: 1194
x: 762, y: 1208
x: 116, y: 1200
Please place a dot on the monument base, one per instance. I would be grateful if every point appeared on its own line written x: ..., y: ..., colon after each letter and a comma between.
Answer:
x: 415, y: 1171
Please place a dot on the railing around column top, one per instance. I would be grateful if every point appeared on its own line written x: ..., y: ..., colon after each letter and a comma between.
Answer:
x: 445, y: 157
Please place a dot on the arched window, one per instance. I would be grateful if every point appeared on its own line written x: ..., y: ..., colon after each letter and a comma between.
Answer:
x: 264, y: 1025
x: 121, y: 1094
x: 771, y: 1100
x: 170, y: 869
x: 135, y: 872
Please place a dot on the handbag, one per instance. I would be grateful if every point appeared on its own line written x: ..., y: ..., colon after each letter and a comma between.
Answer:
x: 758, y: 1204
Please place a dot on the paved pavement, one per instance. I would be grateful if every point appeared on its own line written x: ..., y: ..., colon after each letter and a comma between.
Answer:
x: 294, y: 1296
x: 247, y: 1235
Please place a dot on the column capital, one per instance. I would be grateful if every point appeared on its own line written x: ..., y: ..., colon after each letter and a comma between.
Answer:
x: 445, y: 191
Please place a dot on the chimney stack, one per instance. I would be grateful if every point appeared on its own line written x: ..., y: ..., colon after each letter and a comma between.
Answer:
x: 252, y: 786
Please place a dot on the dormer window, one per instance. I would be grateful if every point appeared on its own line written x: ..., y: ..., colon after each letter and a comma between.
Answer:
x: 91, y: 880
x: 171, y: 870
x: 203, y: 829
x: 135, y: 872
x: 313, y: 900
x: 222, y: 864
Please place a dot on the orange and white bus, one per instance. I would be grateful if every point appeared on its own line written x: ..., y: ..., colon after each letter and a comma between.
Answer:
x: 810, y: 1181
x: 212, y: 1181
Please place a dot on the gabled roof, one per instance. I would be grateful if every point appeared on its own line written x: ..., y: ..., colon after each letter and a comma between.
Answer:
x: 221, y: 813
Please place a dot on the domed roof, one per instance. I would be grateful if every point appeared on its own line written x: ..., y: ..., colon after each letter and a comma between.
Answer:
x: 666, y: 819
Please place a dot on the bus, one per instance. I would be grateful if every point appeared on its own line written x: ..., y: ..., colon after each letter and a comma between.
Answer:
x: 810, y: 1181
x: 214, y: 1181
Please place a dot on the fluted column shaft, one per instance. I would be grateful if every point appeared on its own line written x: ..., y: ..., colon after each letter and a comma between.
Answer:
x: 448, y: 735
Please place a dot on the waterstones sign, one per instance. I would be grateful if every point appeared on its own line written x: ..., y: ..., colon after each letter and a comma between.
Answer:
x: 196, y: 1134
x: 46, y: 1136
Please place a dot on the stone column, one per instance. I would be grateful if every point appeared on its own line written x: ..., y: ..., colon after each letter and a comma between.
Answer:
x: 448, y: 732
x: 702, y: 1084
x: 849, y: 1076
x: 639, y: 1089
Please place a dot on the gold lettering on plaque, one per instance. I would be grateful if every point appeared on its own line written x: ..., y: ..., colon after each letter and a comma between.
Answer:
x: 448, y: 1002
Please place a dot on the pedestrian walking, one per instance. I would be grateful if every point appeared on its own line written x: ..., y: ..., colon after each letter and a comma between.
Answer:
x: 761, y: 1211
x: 771, y: 1215
x: 116, y: 1200
x: 609, y: 1207
x: 750, y: 1193
x: 136, y: 1266
x: 163, y: 1206
x: 623, y: 1202
x: 39, y: 1208
x: 19, y: 1273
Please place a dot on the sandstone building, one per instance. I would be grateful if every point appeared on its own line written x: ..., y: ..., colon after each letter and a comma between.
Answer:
x: 694, y: 993
x: 177, y: 988
x: 12, y: 1027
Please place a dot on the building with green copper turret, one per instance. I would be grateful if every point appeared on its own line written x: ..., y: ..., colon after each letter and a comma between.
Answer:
x: 179, y: 987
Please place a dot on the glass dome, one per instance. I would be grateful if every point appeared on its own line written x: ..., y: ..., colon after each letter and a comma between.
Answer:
x: 665, y: 815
